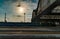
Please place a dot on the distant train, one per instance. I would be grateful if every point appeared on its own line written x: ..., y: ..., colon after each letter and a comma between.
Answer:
x: 21, y: 24
x: 17, y: 24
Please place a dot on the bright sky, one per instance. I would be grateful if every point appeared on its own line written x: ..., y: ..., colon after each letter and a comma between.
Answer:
x: 15, y: 13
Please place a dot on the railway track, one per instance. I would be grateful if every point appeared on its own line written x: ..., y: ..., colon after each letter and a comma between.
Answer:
x: 29, y: 31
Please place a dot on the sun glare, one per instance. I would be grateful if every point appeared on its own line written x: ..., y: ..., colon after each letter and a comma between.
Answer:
x: 21, y: 9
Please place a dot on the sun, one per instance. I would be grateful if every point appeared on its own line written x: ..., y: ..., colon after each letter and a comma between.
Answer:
x: 21, y: 9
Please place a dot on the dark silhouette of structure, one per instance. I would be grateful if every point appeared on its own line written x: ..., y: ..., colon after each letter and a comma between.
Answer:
x: 47, y: 12
x: 5, y: 18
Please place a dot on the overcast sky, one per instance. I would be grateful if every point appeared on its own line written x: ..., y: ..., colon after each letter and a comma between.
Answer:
x: 14, y: 13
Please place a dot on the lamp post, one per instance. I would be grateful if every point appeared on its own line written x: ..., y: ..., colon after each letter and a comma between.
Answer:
x: 5, y: 18
x: 24, y: 16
